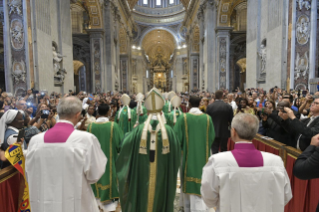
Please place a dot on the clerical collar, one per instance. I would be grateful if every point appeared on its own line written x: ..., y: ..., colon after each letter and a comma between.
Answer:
x: 195, y: 110
x: 65, y: 121
x: 102, y: 119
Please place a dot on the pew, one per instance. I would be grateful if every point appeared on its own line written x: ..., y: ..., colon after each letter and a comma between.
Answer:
x: 305, y: 192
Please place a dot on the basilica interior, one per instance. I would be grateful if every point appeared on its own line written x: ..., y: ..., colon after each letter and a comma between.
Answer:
x: 134, y: 45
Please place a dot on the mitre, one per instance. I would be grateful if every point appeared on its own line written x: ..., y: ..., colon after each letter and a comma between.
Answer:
x: 125, y: 99
x: 154, y: 102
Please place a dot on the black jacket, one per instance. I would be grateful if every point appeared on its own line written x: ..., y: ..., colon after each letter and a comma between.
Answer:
x: 300, y: 128
x: 222, y: 116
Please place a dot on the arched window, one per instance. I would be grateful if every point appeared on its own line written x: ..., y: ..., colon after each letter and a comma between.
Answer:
x: 172, y: 74
x: 171, y: 1
x: 145, y: 1
x: 158, y: 2
x: 147, y: 74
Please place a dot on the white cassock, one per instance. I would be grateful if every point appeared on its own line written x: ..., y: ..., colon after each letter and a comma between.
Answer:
x: 231, y: 188
x: 59, y: 174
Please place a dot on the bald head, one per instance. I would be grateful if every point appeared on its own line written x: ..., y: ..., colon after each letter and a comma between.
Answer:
x: 68, y: 107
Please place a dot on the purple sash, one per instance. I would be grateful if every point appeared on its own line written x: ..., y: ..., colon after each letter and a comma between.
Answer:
x: 59, y: 133
x: 247, y: 155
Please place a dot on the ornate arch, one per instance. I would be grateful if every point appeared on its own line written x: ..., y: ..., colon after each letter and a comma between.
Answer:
x: 159, y: 28
x: 225, y: 10
x: 95, y: 12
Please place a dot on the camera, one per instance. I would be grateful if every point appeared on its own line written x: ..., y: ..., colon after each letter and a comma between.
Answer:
x: 45, y: 114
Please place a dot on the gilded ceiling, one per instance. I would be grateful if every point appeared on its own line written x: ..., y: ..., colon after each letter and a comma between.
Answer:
x: 159, y: 43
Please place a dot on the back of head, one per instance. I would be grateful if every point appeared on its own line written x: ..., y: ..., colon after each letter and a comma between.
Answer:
x: 219, y: 94
x: 246, y: 126
x: 194, y: 101
x: 69, y: 107
x: 103, y: 109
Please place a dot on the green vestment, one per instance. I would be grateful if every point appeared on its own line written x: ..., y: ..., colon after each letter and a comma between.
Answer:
x: 142, y: 117
x: 110, y: 136
x: 148, y: 186
x: 170, y: 117
x: 166, y: 107
x: 124, y: 122
x: 196, y: 135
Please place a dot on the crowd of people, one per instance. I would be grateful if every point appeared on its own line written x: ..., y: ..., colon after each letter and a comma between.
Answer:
x: 108, y: 135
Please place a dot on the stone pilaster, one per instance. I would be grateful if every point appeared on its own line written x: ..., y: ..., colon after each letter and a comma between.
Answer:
x: 97, y: 56
x: 222, y: 55
x: 16, y: 46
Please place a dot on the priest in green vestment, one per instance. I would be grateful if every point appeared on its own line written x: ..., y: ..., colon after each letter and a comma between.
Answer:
x: 176, y: 112
x: 140, y: 109
x: 195, y: 131
x: 148, y: 163
x: 110, y: 136
x: 168, y: 106
x: 125, y: 117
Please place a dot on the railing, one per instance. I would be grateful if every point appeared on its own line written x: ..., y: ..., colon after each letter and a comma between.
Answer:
x: 305, y: 192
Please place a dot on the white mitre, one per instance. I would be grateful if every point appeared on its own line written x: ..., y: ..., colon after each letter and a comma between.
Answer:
x: 176, y: 102
x: 154, y: 104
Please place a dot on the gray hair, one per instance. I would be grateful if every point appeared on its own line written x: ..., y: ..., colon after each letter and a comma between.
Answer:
x: 246, y: 125
x: 68, y: 107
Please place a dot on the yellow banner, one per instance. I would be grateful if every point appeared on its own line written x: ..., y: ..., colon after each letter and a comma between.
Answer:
x: 14, y: 154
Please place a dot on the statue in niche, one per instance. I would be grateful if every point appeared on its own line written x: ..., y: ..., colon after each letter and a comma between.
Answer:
x: 303, y: 30
x: 304, y: 3
x: 302, y: 66
x: 18, y: 72
x: 59, y: 74
x: 15, y: 7
x: 263, y: 57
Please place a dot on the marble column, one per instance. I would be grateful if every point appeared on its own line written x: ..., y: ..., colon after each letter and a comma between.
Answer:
x: 209, y: 45
x: 303, y: 43
x: 16, y: 46
x: 97, y: 56
x: 222, y: 55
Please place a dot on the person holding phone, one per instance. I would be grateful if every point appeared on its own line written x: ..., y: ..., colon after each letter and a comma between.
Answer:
x: 44, y: 118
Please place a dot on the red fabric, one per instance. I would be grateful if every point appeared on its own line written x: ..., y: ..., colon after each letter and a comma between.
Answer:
x: 184, y: 109
x: 9, y: 194
x: 255, y: 142
x: 267, y: 148
x: 312, y: 197
x: 299, y: 190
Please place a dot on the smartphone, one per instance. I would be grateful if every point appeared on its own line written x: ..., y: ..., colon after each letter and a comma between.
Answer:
x: 45, y: 114
x: 83, y: 113
x: 20, y: 135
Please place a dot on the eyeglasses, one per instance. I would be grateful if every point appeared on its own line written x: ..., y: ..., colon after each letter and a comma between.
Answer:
x: 316, y: 103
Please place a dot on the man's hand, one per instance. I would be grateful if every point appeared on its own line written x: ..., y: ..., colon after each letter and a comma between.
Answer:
x: 2, y: 157
x: 290, y: 113
x: 315, y: 140
x: 282, y: 115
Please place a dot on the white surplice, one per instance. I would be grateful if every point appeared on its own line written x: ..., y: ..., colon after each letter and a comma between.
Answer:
x: 60, y: 174
x: 231, y: 188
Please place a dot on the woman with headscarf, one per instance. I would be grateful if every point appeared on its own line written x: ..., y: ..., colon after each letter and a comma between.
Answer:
x: 11, y: 122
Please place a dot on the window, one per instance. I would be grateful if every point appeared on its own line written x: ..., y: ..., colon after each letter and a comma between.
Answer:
x: 171, y: 1
x: 172, y: 74
x: 158, y: 2
x: 146, y: 73
x: 145, y: 1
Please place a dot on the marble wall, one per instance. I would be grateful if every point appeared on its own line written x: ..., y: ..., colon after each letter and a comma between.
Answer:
x: 52, y: 24
x: 268, y: 28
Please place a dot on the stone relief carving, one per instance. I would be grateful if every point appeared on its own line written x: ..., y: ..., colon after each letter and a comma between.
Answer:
x: 59, y: 73
x: 17, y: 34
x: 15, y: 7
x: 263, y: 57
x: 18, y: 72
x: 222, y: 63
x: 302, y: 66
x: 303, y: 29
x: 304, y: 3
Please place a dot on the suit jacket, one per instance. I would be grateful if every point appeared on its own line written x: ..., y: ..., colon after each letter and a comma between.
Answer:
x: 300, y: 128
x: 222, y: 116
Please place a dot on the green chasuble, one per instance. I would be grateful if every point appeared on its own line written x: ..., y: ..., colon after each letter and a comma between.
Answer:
x: 123, y: 121
x: 110, y: 136
x: 148, y: 186
x: 170, y: 117
x: 166, y: 106
x: 196, y: 134
x: 142, y: 117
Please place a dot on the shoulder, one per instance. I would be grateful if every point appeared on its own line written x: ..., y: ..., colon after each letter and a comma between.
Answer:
x: 272, y: 160
x: 223, y: 159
